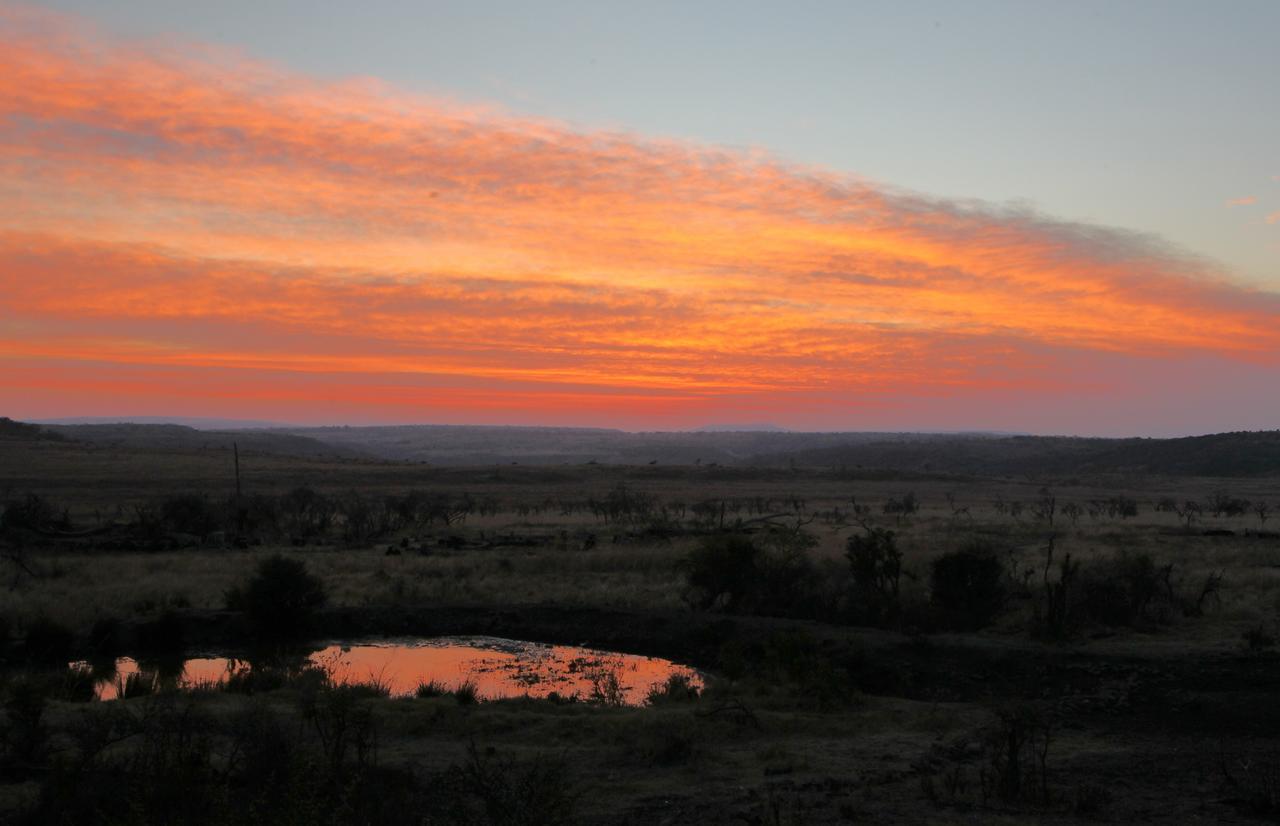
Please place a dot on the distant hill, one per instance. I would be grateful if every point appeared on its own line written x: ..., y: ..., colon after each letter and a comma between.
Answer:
x: 9, y: 429
x: 467, y: 445
x: 180, y: 437
x: 974, y: 454
x: 197, y: 422
x: 763, y: 427
x: 1223, y: 454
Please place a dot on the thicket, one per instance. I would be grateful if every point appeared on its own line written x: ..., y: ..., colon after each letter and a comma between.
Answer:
x: 280, y: 599
x: 165, y: 758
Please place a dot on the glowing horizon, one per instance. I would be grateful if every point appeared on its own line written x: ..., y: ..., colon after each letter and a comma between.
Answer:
x: 192, y: 232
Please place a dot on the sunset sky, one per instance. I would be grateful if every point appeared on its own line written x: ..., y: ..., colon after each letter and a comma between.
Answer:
x: 1050, y: 218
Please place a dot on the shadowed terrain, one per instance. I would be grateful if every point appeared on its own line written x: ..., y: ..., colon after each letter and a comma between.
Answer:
x: 1066, y: 636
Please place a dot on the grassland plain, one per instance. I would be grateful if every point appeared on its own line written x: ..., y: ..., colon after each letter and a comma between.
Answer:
x: 1126, y: 672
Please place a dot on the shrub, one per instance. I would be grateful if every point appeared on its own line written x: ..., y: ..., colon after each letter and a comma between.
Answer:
x: 1257, y: 638
x: 280, y: 599
x: 23, y: 732
x: 786, y: 582
x: 47, y: 643
x: 738, y: 574
x: 665, y: 741
x: 721, y: 572
x: 494, y: 789
x: 306, y: 514
x: 1125, y: 589
x: 190, y: 513
x: 163, y: 635
x: 606, y: 686
x: 1016, y: 748
x: 677, y: 689
x: 33, y: 512
x: 105, y: 639
x: 968, y: 585
x: 876, y: 565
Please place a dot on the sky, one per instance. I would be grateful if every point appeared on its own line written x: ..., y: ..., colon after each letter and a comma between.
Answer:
x: 1051, y: 218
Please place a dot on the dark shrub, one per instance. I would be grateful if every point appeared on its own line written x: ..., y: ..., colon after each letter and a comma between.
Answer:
x: 23, y: 733
x: 306, y: 514
x: 876, y: 565
x: 818, y: 681
x: 47, y: 643
x: 189, y: 513
x: 968, y: 586
x: 1125, y: 589
x: 1016, y: 751
x: 163, y: 635
x: 497, y: 789
x: 721, y: 572
x: 256, y: 516
x: 33, y: 512
x: 677, y: 689
x: 670, y: 741
x: 105, y: 639
x: 280, y: 599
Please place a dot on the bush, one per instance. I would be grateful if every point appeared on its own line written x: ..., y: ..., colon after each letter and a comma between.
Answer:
x: 500, y: 790
x: 677, y: 689
x: 670, y: 740
x: 280, y: 599
x: 1016, y: 751
x: 968, y: 585
x: 1124, y: 590
x: 737, y: 574
x: 876, y: 565
x: 163, y: 635
x: 721, y: 572
x: 33, y: 512
x: 189, y: 513
x: 23, y: 732
x: 105, y: 639
x: 47, y: 643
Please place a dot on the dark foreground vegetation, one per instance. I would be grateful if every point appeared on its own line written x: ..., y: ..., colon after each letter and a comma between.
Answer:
x: 879, y: 645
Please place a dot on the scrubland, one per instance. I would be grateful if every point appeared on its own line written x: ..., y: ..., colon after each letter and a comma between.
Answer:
x: 878, y: 646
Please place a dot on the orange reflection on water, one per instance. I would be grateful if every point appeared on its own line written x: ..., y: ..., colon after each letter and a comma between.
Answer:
x: 496, y: 668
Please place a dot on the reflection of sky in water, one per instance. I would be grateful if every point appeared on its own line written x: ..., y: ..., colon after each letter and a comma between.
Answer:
x: 497, y: 667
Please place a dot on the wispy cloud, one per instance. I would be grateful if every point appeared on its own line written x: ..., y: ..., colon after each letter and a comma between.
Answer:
x: 1248, y: 200
x: 170, y: 208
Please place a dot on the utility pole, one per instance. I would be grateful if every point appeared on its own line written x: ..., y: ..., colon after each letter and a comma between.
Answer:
x: 240, y: 512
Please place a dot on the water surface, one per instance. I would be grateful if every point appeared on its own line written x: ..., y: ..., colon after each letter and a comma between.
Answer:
x: 495, y: 667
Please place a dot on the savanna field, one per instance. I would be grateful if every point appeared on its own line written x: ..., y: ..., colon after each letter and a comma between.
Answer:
x: 870, y: 645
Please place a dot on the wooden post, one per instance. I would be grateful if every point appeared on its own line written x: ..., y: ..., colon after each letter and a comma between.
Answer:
x: 235, y: 448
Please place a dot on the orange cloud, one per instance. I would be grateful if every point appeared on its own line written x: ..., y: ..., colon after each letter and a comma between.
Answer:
x: 1247, y: 200
x: 171, y: 212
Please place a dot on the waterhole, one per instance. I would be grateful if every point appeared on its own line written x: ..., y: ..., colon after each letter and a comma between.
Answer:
x: 489, y: 668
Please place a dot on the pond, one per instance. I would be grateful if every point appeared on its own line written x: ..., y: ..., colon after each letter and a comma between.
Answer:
x: 495, y: 668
